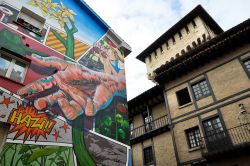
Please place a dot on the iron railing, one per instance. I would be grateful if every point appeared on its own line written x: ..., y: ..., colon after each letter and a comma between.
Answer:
x: 226, y: 140
x: 149, y: 127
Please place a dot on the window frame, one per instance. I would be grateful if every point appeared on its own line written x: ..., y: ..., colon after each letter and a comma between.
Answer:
x: 193, y: 129
x: 178, y: 100
x: 153, y: 155
x: 242, y: 61
x: 148, y: 116
x: 14, y: 59
x: 33, y: 15
x: 197, y: 83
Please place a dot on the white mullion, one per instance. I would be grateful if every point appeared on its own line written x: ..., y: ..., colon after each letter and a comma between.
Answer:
x: 10, y: 68
x: 24, y: 74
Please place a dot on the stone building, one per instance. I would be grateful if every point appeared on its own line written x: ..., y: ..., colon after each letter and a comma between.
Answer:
x: 199, y: 112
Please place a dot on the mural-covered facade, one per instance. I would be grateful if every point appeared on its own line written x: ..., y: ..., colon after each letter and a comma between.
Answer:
x: 62, y: 86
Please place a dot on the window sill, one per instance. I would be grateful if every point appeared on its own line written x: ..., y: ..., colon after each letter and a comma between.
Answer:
x: 194, y: 149
x: 12, y: 80
x: 185, y: 105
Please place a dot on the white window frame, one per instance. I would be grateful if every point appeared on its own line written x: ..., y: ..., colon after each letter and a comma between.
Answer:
x: 12, y: 64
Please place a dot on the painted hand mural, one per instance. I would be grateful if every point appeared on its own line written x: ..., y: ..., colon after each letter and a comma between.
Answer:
x: 67, y: 93
x: 80, y: 89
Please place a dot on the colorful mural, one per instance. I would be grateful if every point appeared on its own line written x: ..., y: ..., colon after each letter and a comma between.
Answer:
x: 36, y: 155
x: 53, y: 42
x: 71, y: 108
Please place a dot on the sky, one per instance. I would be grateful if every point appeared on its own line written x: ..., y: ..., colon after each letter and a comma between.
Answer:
x: 141, y: 22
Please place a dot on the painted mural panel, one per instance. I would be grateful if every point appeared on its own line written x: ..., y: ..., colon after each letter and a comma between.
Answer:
x: 71, y: 107
x: 36, y: 155
x: 79, y: 47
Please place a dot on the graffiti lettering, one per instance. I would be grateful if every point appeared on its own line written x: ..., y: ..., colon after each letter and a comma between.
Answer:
x: 32, y: 122
x: 26, y: 121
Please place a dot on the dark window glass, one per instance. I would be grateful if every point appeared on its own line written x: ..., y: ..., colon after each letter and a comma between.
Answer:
x: 183, y: 97
x: 173, y: 40
x: 161, y: 49
x: 167, y: 45
x: 200, y: 89
x: 213, y: 129
x: 180, y: 35
x: 186, y: 28
x: 247, y: 65
x: 193, y: 136
x: 148, y: 155
x: 193, y: 23
x: 155, y: 54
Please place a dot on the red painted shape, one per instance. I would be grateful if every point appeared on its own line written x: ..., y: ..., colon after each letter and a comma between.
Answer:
x: 65, y: 126
x: 6, y: 101
x: 56, y: 135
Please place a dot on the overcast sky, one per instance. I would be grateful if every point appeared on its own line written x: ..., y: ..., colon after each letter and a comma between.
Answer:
x: 140, y: 22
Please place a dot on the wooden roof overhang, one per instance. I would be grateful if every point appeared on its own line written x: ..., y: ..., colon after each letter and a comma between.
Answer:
x: 208, y: 51
x: 148, y: 98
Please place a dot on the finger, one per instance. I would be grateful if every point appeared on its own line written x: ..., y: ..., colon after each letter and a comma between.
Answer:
x: 90, y: 108
x: 70, y: 109
x: 37, y: 86
x: 77, y: 95
x: 49, y: 100
x: 52, y: 61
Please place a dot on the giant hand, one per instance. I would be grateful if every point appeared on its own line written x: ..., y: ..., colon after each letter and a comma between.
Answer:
x: 80, y: 89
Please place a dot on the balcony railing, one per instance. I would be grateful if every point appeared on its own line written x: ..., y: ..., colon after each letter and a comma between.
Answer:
x: 227, y: 141
x: 149, y: 127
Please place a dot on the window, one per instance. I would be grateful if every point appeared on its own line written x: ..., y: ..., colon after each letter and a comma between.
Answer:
x: 247, y: 65
x: 180, y: 35
x: 167, y: 45
x: 30, y: 20
x: 193, y: 23
x: 155, y: 52
x: 186, y: 28
x: 148, y: 119
x: 216, y: 136
x: 183, y: 97
x: 193, y: 137
x: 161, y: 49
x: 12, y: 67
x: 201, y: 89
x: 173, y: 39
x: 214, y: 129
x: 148, y: 156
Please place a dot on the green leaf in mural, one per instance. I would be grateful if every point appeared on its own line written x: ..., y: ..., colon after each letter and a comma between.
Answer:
x: 14, y: 43
x: 42, y: 152
x: 125, y: 124
x: 108, y: 121
x: 119, y: 118
x: 122, y: 134
x: 26, y: 148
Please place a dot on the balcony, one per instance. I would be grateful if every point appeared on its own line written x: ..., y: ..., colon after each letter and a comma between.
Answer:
x: 230, y: 142
x: 149, y: 130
